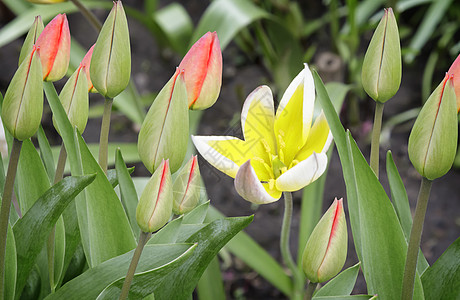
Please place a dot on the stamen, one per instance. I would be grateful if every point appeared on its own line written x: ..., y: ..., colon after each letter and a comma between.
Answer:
x: 266, y: 145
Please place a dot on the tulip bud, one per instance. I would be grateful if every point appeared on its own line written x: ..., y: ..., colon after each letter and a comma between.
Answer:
x: 155, y: 205
x: 74, y: 99
x: 326, y: 249
x: 23, y: 103
x: 164, y: 133
x: 454, y: 71
x: 187, y: 187
x: 31, y: 38
x: 203, y: 72
x: 111, y: 60
x: 381, y: 75
x: 433, y: 139
x: 86, y: 63
x: 54, y: 48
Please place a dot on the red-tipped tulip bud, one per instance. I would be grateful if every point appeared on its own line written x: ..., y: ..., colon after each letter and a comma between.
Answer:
x: 164, y: 133
x: 454, y: 71
x: 203, y: 71
x: 326, y: 249
x: 381, y: 75
x: 155, y: 205
x: 111, y: 60
x: 31, y: 38
x: 54, y: 48
x: 86, y: 63
x: 23, y: 104
x: 433, y: 139
x: 187, y: 187
x: 74, y: 99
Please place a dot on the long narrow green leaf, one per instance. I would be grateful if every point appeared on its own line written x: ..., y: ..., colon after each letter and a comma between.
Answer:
x: 211, y: 286
x: 128, y: 191
x: 442, y: 279
x: 342, y: 285
x: 227, y: 17
x: 92, y: 282
x: 32, y: 230
x: 10, y: 265
x: 246, y: 249
x: 401, y: 205
x: 351, y: 297
x: 46, y: 153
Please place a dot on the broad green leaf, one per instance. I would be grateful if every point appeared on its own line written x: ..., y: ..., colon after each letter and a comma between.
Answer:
x: 350, y: 297
x: 10, y: 265
x: 33, y: 229
x: 401, y: 205
x: 341, y: 285
x: 167, y: 234
x: 108, y: 230
x: 227, y: 17
x: 384, y: 246
x: 128, y: 192
x: 442, y: 279
x: 92, y: 282
x: 179, y: 284
x: 59, y: 251
x: 46, y: 154
x: 178, y: 31
x: 197, y: 215
x: 246, y: 249
x: 211, y: 286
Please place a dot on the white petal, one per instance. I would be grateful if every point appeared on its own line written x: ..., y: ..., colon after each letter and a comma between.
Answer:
x: 328, y: 142
x: 306, y: 78
x: 303, y: 173
x: 249, y: 187
x: 264, y: 95
x: 213, y: 156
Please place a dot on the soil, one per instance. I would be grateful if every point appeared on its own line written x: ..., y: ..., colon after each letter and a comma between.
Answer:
x: 151, y: 68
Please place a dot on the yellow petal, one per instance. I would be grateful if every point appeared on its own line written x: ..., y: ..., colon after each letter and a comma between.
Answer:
x: 294, y: 116
x: 225, y: 153
x: 248, y: 186
x: 257, y: 118
x: 319, y: 139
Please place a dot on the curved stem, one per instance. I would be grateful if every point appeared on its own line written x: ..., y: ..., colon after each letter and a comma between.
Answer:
x: 5, y: 208
x: 310, y: 290
x: 104, y: 138
x: 92, y: 19
x: 414, y: 241
x: 143, y: 238
x: 375, y: 144
x: 284, y: 245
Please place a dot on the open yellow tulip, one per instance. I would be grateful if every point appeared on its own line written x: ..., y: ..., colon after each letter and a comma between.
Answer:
x: 282, y: 152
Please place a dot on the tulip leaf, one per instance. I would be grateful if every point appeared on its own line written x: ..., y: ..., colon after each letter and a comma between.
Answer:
x: 33, y: 229
x: 342, y: 284
x: 211, y: 286
x: 155, y: 258
x: 442, y: 279
x: 227, y: 18
x: 350, y: 297
x: 127, y: 190
x: 46, y: 154
x: 252, y: 254
x: 197, y: 215
x: 10, y: 265
x: 167, y: 234
x: 401, y: 205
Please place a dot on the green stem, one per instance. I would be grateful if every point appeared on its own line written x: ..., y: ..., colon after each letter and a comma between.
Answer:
x: 310, y: 290
x: 50, y: 243
x: 5, y: 208
x: 92, y: 19
x: 375, y: 144
x: 143, y: 238
x: 414, y: 241
x: 104, y: 138
x: 284, y: 245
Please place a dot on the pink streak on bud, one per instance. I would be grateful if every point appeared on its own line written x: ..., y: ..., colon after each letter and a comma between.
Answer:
x: 203, y: 62
x: 454, y: 71
x: 85, y: 63
x: 164, y: 172
x: 54, y: 43
x: 192, y: 170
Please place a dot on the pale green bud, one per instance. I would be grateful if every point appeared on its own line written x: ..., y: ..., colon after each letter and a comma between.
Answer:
x: 155, y: 205
x: 23, y: 104
x: 164, y: 132
x: 110, y: 67
x: 381, y: 74
x: 326, y: 249
x: 31, y: 38
x: 187, y: 187
x: 433, y: 139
